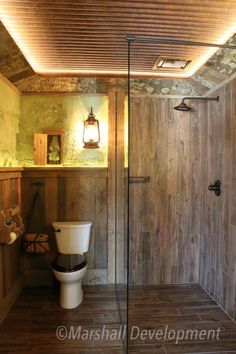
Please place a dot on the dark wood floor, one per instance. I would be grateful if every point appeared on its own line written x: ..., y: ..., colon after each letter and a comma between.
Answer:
x: 30, y: 327
x: 180, y: 308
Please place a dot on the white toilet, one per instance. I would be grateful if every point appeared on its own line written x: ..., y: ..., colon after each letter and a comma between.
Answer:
x: 69, y: 267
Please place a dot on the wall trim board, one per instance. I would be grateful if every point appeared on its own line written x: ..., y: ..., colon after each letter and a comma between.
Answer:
x: 11, y: 169
x: 148, y: 95
x: 222, y: 308
x: 35, y: 93
x: 221, y: 84
x: 52, y: 172
x: 17, y: 172
x: 10, y: 84
x: 63, y: 168
x: 95, y: 94
x: 9, y: 300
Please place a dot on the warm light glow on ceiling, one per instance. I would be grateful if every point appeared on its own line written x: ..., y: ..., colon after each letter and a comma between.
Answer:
x: 43, y: 59
x: 20, y: 40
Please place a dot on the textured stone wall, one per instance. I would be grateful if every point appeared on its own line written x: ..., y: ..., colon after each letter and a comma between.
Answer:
x: 9, y: 124
x: 68, y: 112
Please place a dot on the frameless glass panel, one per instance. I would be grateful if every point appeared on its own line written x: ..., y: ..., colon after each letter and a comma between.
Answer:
x: 153, y: 198
x: 164, y: 205
x: 118, y: 164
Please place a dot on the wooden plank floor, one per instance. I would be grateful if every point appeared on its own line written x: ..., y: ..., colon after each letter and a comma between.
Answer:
x: 181, y: 307
x: 30, y: 327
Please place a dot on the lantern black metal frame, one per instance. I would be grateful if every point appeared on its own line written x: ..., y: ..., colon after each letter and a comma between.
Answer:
x: 91, y: 120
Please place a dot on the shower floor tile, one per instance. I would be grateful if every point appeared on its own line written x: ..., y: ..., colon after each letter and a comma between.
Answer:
x: 183, y: 311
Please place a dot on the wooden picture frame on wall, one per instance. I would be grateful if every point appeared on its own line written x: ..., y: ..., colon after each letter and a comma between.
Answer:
x: 49, y: 147
x: 55, y: 145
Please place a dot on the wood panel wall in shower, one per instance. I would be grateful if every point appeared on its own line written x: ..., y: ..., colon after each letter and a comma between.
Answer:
x: 218, y: 228
x: 165, y: 213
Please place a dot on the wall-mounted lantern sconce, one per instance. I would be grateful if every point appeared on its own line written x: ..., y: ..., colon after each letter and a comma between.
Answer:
x: 91, y: 135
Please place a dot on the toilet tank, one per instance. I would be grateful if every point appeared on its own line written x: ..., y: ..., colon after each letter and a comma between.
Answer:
x: 72, y: 237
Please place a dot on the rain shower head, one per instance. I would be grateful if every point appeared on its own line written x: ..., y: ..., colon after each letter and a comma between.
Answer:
x: 183, y: 107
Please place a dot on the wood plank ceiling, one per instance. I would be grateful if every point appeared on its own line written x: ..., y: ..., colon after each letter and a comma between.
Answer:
x: 89, y: 37
x: 13, y: 64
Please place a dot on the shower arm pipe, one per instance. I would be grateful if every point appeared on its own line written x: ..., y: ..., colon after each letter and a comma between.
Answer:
x: 178, y: 42
x: 217, y: 98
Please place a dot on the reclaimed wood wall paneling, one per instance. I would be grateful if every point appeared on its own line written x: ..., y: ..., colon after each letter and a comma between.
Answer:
x: 116, y: 186
x: 165, y: 213
x: 10, y: 255
x: 67, y: 196
x: 218, y: 221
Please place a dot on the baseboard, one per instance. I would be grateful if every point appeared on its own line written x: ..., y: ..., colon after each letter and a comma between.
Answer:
x: 220, y: 305
x: 9, y: 300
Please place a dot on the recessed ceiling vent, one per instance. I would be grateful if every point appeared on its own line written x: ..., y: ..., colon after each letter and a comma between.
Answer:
x: 170, y: 64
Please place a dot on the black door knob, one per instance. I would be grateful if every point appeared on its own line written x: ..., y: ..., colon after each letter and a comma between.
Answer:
x: 216, y: 187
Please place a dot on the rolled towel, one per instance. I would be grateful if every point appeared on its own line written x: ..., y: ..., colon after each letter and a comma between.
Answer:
x: 13, y: 237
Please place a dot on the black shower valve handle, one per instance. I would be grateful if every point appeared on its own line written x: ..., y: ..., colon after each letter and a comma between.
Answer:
x: 216, y: 187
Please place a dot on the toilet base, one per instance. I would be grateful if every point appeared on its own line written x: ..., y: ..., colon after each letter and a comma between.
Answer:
x: 71, y: 294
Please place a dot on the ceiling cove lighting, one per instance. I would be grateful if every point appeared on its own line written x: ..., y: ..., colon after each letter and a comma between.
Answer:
x: 211, y: 49
x: 34, y: 39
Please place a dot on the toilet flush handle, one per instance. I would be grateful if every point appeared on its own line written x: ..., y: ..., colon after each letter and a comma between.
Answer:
x: 57, y: 230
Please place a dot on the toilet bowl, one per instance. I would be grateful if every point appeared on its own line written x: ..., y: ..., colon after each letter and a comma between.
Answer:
x: 69, y: 271
x: 70, y: 265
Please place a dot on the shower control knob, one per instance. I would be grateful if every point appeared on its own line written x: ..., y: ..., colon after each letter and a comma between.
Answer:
x: 216, y: 187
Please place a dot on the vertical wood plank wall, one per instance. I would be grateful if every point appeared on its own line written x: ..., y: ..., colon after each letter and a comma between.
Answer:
x: 68, y: 194
x: 116, y: 187
x: 218, y: 227
x: 164, y: 213
x: 11, y: 280
x: 174, y: 219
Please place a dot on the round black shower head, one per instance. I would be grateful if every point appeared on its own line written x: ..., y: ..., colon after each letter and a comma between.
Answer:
x: 182, y: 107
